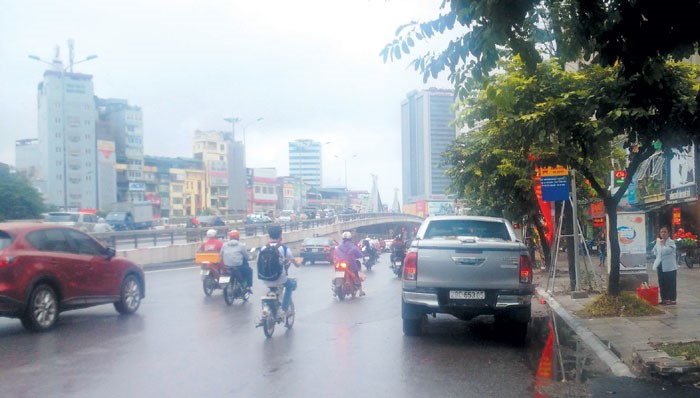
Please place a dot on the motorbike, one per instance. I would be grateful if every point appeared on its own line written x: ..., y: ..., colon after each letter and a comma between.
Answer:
x: 230, y: 281
x: 272, y: 313
x: 210, y: 271
x: 369, y: 258
x: 397, y: 263
x: 343, y: 283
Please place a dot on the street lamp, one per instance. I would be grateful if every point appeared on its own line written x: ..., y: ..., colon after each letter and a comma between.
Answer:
x: 57, y: 66
x: 345, y: 161
x: 247, y: 125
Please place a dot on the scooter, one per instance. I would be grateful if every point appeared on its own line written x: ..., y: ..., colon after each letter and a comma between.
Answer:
x: 369, y: 258
x: 272, y: 313
x: 397, y: 263
x: 343, y: 283
x: 210, y: 271
x: 230, y: 281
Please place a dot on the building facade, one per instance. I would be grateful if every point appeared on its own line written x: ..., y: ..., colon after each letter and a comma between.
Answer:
x: 211, y: 147
x: 122, y: 123
x: 67, y: 141
x: 27, y: 160
x: 305, y: 161
x: 425, y: 134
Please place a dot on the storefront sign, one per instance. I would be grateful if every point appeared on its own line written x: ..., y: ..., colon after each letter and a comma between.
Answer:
x: 599, y: 222
x: 555, y: 183
x: 684, y: 194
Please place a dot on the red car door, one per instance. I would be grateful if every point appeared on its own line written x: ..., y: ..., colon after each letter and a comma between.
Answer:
x: 100, y: 279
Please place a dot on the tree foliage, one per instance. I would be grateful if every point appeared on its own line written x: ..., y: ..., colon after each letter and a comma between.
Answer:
x: 19, y: 199
x: 624, y: 88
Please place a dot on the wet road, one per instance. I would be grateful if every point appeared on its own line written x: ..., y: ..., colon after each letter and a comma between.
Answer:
x: 183, y: 344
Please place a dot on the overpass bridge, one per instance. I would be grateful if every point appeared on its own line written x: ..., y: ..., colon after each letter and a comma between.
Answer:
x: 181, y: 244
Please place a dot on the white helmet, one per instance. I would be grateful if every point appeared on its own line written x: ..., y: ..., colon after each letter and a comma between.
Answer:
x: 346, y: 235
x: 211, y: 233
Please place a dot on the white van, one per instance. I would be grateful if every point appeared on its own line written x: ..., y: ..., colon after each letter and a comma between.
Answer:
x: 82, y: 221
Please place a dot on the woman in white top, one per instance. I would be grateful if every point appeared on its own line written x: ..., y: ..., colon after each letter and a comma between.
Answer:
x: 666, y: 266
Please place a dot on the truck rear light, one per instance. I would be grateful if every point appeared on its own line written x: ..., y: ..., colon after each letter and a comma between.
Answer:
x: 410, y: 266
x: 525, y: 269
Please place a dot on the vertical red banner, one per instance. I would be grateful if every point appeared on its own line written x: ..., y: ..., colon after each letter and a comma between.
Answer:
x: 546, y: 209
x: 676, y: 216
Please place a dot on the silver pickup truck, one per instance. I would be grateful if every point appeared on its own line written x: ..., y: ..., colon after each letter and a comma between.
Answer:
x: 467, y: 266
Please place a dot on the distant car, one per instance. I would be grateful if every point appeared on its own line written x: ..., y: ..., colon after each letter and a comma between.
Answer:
x: 46, y: 269
x: 348, y: 210
x: 82, y: 221
x: 286, y: 216
x: 317, y: 249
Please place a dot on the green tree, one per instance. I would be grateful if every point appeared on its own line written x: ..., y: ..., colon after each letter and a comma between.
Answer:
x: 19, y: 199
x: 628, y: 90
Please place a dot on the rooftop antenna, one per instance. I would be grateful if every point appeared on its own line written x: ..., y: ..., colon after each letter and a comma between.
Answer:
x: 71, y: 45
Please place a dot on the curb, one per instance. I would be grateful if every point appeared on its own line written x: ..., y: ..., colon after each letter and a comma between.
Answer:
x: 601, y: 350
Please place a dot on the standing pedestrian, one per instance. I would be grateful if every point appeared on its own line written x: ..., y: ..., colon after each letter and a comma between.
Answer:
x: 602, y: 248
x: 666, y: 266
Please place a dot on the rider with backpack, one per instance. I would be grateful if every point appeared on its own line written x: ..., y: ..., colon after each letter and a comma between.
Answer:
x: 274, y: 260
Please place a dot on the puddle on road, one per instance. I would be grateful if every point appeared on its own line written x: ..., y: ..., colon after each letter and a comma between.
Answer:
x: 563, y: 363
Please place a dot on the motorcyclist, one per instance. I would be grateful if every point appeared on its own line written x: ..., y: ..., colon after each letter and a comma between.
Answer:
x: 398, y: 248
x: 101, y: 226
x: 369, y: 249
x: 348, y: 252
x: 212, y: 244
x: 235, y: 256
x: 275, y: 234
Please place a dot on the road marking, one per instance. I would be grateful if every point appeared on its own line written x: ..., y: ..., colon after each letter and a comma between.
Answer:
x: 169, y: 269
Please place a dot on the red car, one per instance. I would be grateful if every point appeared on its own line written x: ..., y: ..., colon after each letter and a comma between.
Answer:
x: 46, y: 269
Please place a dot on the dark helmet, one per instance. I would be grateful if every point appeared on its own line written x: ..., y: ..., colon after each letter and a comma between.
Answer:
x: 274, y: 231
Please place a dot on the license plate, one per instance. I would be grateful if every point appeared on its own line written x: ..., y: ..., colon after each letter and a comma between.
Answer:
x: 467, y: 294
x: 224, y: 279
x: 339, y: 274
x: 204, y: 272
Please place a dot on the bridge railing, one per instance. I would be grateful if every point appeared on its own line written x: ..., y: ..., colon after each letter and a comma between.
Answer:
x: 173, y: 236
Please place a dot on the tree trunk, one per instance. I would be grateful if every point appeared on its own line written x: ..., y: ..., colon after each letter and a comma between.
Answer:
x: 614, y: 277
x: 546, y: 248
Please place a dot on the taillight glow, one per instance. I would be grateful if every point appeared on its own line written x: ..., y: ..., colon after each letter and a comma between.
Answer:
x: 525, y: 269
x: 7, y: 260
x: 410, y: 266
x: 341, y: 266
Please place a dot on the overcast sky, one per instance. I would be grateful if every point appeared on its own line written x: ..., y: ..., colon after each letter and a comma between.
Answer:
x: 309, y: 68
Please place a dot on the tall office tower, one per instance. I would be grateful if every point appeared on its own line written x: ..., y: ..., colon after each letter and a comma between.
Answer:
x: 27, y: 158
x: 425, y: 134
x: 122, y: 124
x: 212, y: 148
x: 305, y: 161
x: 67, y: 143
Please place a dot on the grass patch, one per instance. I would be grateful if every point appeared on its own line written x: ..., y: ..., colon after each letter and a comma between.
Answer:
x: 690, y: 351
x: 625, y: 304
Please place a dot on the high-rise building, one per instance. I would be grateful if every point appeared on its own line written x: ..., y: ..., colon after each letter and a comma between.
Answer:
x: 27, y: 158
x: 425, y: 134
x: 305, y: 161
x: 122, y: 124
x: 67, y: 142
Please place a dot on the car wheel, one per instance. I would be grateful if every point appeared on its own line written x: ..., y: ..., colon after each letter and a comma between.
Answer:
x: 42, y: 309
x: 129, y: 296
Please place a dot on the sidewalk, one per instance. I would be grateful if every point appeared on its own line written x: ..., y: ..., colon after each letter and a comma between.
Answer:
x: 625, y: 344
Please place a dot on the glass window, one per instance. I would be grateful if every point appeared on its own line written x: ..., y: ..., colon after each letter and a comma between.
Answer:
x: 475, y: 228
x: 5, y: 240
x: 85, y: 244
x: 49, y: 240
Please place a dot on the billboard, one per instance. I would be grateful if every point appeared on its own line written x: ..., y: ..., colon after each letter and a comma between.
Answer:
x: 631, y: 234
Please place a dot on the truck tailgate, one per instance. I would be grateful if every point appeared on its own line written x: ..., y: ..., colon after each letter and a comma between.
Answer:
x: 453, y: 264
